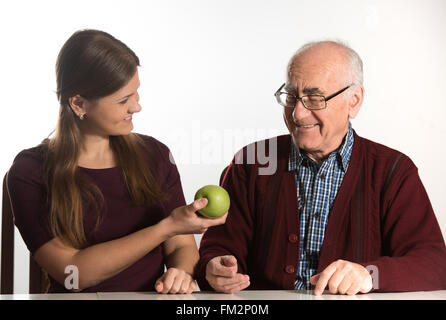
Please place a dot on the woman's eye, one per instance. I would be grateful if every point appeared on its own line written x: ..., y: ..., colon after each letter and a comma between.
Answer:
x: 123, y: 101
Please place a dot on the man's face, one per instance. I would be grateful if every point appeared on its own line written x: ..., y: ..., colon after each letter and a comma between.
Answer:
x: 318, y: 132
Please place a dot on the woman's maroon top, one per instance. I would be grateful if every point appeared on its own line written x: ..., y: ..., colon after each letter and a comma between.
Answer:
x: 28, y: 197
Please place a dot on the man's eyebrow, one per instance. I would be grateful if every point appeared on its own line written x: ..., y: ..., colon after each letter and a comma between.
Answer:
x: 313, y: 91
x: 290, y: 88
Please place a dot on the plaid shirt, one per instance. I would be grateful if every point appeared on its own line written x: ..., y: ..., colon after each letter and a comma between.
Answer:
x: 317, y: 187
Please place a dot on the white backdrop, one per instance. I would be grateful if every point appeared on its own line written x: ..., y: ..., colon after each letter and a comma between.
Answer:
x: 210, y: 68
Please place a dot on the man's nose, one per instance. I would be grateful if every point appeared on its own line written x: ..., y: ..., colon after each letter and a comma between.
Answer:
x: 300, y: 111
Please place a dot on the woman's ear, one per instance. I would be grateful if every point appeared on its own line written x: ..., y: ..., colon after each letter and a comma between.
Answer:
x: 355, y: 102
x: 77, y: 104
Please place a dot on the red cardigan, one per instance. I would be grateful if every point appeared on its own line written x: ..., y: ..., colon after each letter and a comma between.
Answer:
x: 382, y: 216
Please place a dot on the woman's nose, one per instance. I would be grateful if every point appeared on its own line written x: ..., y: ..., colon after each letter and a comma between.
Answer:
x: 135, y: 106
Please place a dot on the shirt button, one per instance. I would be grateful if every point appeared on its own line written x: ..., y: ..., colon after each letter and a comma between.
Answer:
x: 292, y: 238
x: 317, y: 215
x: 289, y: 269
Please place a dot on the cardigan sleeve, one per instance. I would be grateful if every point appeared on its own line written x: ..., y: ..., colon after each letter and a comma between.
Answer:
x: 234, y: 237
x: 414, y: 252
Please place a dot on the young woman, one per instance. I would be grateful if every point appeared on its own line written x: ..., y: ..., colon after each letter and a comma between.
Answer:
x: 97, y: 197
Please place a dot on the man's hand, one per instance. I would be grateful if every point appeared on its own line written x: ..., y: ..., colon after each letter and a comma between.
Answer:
x: 175, y: 281
x: 342, y: 277
x: 221, y: 274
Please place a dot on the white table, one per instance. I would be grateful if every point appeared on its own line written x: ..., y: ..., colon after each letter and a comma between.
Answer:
x: 243, y: 295
x: 249, y: 304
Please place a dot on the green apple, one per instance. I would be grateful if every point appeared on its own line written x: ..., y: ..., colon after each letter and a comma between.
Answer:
x: 218, y: 201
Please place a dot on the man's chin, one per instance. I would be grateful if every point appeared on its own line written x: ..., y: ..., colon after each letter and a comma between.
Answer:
x: 305, y: 144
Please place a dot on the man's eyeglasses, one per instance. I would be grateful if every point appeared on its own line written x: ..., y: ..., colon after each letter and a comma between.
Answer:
x: 311, y: 102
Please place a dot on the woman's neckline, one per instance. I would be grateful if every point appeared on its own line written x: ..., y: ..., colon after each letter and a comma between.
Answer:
x: 98, y: 169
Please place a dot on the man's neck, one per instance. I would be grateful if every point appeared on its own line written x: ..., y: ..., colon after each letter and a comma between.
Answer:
x: 319, y: 156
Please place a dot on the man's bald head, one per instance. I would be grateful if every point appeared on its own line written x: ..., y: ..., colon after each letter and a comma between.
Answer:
x: 322, y: 69
x: 331, y: 55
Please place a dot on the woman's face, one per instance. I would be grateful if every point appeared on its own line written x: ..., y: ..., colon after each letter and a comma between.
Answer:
x: 112, y: 115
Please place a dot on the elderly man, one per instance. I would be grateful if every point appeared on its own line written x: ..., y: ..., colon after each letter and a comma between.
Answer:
x: 340, y: 212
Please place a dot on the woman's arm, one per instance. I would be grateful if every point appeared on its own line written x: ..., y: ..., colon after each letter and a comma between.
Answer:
x: 181, y: 253
x: 181, y: 258
x: 102, y: 261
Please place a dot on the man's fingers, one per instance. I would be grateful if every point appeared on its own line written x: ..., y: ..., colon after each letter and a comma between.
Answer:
x: 220, y: 267
x: 228, y: 261
x: 366, y: 285
x: 324, y: 277
x: 342, y: 286
x: 236, y: 287
x: 313, y: 279
x: 355, y: 281
x: 354, y: 288
x: 225, y: 282
x: 222, y: 271
x: 341, y: 280
x: 343, y: 277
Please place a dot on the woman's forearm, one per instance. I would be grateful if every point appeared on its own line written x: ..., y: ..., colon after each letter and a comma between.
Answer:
x: 184, y: 257
x: 102, y: 261
x: 105, y: 260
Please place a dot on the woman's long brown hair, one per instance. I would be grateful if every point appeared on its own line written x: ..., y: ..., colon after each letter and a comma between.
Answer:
x: 93, y: 64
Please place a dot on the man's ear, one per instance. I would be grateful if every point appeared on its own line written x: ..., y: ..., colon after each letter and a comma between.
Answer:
x: 355, y: 101
x: 77, y: 104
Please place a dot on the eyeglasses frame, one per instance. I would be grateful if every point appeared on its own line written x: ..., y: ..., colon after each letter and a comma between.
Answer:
x: 278, y: 92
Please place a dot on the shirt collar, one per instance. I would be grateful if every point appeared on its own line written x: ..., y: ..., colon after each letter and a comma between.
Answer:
x: 342, y: 153
x: 345, y: 150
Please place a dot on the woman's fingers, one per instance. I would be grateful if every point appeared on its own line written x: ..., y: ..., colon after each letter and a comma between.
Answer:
x: 175, y: 281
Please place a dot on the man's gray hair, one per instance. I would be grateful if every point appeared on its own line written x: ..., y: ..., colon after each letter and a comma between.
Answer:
x: 354, y: 62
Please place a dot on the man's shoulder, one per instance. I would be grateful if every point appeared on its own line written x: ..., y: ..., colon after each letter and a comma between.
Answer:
x: 276, y: 147
x: 280, y: 143
x: 263, y: 157
x: 379, y: 153
x: 283, y: 139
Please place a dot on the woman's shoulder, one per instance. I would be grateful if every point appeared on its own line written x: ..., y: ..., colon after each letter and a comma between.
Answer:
x: 28, y: 163
x: 32, y: 154
x: 158, y: 149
